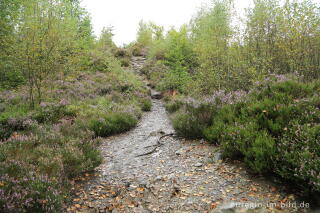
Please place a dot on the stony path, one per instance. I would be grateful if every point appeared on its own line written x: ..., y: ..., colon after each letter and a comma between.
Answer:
x: 180, y: 176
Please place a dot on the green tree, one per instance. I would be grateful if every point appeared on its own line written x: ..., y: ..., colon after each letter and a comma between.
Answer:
x: 144, y: 35
x: 10, y: 75
x: 211, y: 35
x: 47, y: 38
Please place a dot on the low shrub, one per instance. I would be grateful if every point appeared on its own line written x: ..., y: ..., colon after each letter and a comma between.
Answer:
x: 154, y: 71
x: 125, y: 62
x: 43, y: 148
x: 137, y: 50
x: 173, y: 105
x: 112, y: 123
x: 51, y: 112
x: 103, y: 62
x: 276, y: 130
x: 10, y: 125
x: 146, y: 105
x: 121, y: 52
x: 190, y: 121
x: 22, y: 190
x: 35, y: 168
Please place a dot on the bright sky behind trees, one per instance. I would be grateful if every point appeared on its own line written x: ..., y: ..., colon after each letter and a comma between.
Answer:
x: 124, y: 15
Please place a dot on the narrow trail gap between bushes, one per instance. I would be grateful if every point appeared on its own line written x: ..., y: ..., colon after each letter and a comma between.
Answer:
x: 179, y: 176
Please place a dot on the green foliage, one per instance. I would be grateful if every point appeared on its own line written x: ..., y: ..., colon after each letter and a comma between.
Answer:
x: 173, y: 105
x: 102, y: 61
x: 191, y: 120
x: 35, y: 167
x: 105, y: 42
x: 146, y: 105
x: 275, y: 130
x: 213, y: 53
x: 10, y: 75
x: 112, y: 124
x: 51, y: 113
x: 144, y: 36
x: 41, y: 40
x: 280, y: 38
x: 64, y: 81
x: 23, y: 190
x: 178, y: 57
x: 148, y: 33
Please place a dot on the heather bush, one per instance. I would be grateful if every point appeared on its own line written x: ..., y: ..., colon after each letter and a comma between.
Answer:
x: 136, y: 49
x: 103, y: 61
x: 22, y: 190
x: 112, y: 123
x: 275, y: 130
x: 146, y: 104
x: 51, y: 112
x: 125, y: 62
x: 191, y: 120
x: 10, y: 125
x: 154, y: 71
x: 173, y: 105
x: 50, y: 155
x: 64, y: 81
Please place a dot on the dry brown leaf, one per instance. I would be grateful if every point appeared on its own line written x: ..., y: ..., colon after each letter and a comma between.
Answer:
x: 214, y: 205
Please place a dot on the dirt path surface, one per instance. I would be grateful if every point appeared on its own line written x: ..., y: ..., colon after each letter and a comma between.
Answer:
x: 179, y: 176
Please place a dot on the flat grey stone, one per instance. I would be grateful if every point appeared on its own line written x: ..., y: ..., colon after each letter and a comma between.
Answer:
x: 198, y: 165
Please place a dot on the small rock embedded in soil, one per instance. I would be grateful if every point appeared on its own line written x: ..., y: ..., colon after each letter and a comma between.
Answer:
x: 156, y: 95
x: 179, y: 152
x: 198, y: 165
x: 158, y: 178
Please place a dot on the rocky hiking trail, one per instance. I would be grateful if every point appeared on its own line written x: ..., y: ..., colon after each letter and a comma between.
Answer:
x: 149, y: 169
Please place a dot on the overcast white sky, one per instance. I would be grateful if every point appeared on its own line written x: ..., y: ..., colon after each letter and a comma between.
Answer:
x: 124, y: 15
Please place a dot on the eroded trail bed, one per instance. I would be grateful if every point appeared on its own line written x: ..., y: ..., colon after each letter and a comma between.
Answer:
x: 180, y: 176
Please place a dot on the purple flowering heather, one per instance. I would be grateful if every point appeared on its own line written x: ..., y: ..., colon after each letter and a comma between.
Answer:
x: 219, y: 97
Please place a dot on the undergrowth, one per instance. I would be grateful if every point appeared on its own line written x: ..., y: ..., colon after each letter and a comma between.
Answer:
x: 43, y: 148
x: 275, y: 128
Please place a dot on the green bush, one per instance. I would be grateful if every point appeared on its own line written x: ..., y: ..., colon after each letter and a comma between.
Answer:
x: 37, y: 167
x: 112, y: 123
x: 22, y: 190
x: 146, y: 105
x: 136, y: 49
x: 121, y: 53
x: 10, y: 125
x: 190, y: 121
x: 103, y: 61
x: 10, y: 78
x: 51, y: 113
x: 125, y: 62
x: 275, y: 130
x: 298, y: 156
x: 173, y: 105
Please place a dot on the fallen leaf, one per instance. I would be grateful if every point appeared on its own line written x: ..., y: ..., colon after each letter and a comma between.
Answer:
x: 254, y: 189
x: 273, y: 189
x: 214, y: 205
x: 140, y: 189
